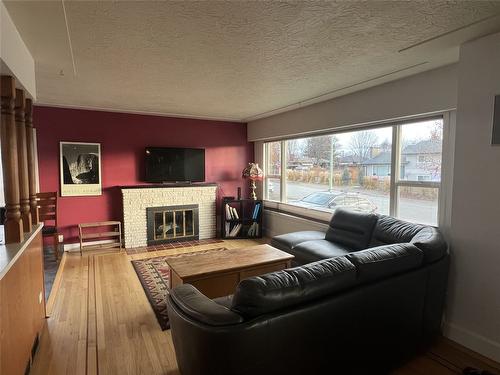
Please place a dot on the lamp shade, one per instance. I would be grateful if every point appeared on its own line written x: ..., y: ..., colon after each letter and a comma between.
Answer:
x: 253, y: 172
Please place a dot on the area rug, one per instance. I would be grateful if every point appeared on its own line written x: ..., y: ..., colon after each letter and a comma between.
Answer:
x: 153, y: 274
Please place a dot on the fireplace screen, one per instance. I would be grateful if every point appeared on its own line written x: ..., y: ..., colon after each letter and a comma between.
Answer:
x: 172, y: 223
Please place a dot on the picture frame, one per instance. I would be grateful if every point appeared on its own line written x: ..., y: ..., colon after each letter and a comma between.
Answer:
x: 80, y: 169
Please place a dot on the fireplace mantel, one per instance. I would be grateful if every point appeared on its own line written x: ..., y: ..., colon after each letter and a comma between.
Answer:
x: 136, y: 199
x: 172, y: 185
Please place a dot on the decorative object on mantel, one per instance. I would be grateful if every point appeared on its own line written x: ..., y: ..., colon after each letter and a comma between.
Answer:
x: 253, y: 173
x: 80, y: 166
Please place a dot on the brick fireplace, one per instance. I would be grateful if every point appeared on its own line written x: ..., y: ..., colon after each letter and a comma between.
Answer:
x: 170, y: 203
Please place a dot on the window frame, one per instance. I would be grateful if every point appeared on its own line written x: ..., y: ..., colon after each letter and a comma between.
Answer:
x: 395, y: 182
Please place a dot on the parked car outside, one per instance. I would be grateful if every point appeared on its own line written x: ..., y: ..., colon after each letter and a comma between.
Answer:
x: 331, y: 200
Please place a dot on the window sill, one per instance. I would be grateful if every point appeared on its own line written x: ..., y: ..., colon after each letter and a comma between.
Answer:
x: 301, y: 212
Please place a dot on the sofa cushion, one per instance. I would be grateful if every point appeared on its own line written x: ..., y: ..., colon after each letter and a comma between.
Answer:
x: 390, y: 230
x: 312, y: 251
x: 288, y: 241
x: 351, y: 229
x: 384, y: 261
x: 431, y: 242
x: 278, y: 290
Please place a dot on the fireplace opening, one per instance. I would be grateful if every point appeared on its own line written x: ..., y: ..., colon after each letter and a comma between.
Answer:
x: 172, y: 224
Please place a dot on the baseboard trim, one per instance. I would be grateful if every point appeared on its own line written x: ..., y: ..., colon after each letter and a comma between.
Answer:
x: 473, y: 341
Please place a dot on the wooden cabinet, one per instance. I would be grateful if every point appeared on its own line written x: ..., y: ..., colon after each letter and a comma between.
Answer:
x: 22, y: 308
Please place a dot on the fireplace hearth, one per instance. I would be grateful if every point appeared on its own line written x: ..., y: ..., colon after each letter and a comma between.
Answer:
x: 172, y: 224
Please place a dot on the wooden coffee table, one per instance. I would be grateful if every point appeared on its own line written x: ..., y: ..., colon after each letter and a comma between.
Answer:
x: 217, y: 273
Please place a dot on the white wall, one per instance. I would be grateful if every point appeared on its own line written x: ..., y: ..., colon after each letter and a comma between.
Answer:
x: 473, y: 312
x: 423, y: 93
x: 15, y: 57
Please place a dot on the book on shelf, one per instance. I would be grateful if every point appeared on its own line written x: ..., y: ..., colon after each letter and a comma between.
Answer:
x: 256, y: 211
x: 235, y: 213
x: 236, y: 229
x: 253, y: 231
x: 231, y: 213
x: 228, y: 212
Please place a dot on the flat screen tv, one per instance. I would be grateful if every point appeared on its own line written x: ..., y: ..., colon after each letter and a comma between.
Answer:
x: 166, y: 164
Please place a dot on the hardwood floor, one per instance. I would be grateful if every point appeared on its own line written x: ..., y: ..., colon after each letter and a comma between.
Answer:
x: 102, y: 323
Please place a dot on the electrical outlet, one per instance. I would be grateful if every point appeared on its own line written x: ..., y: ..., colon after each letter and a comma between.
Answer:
x: 40, y: 296
x: 61, y: 238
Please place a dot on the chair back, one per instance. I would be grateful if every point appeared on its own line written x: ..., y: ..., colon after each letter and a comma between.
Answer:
x: 47, y: 207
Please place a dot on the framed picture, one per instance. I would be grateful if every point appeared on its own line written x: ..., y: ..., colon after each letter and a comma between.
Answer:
x: 80, y: 169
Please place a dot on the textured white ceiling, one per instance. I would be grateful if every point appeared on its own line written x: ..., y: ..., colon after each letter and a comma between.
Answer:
x: 235, y: 60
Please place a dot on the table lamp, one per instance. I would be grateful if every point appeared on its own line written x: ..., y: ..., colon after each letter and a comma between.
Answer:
x: 253, y: 173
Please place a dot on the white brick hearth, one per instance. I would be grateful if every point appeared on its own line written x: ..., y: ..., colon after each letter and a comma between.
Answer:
x: 136, y: 200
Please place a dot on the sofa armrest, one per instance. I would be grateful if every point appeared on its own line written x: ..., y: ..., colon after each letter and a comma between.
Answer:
x: 201, y: 308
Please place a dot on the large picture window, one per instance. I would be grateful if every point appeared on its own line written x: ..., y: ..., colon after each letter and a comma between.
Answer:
x: 357, y: 170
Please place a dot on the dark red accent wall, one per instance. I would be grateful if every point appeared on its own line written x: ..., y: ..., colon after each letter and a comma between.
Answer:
x: 123, y: 138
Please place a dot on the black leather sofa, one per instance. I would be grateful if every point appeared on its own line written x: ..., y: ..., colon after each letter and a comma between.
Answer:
x: 368, y: 294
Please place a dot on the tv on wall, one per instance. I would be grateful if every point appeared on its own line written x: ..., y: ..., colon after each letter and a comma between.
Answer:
x: 166, y: 164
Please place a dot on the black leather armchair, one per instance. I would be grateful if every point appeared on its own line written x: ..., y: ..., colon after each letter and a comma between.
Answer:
x: 375, y: 302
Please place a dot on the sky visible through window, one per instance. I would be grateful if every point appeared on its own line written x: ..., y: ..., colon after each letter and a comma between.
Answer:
x: 415, y: 132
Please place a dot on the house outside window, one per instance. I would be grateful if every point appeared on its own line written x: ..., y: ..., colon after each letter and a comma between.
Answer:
x: 357, y: 170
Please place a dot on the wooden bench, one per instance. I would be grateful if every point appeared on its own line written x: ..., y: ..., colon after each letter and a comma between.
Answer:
x: 106, y: 230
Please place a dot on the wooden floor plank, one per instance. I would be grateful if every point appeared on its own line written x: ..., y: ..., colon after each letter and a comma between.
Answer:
x: 60, y: 350
x: 91, y: 358
x: 423, y: 365
x: 102, y: 323
x: 447, y: 351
